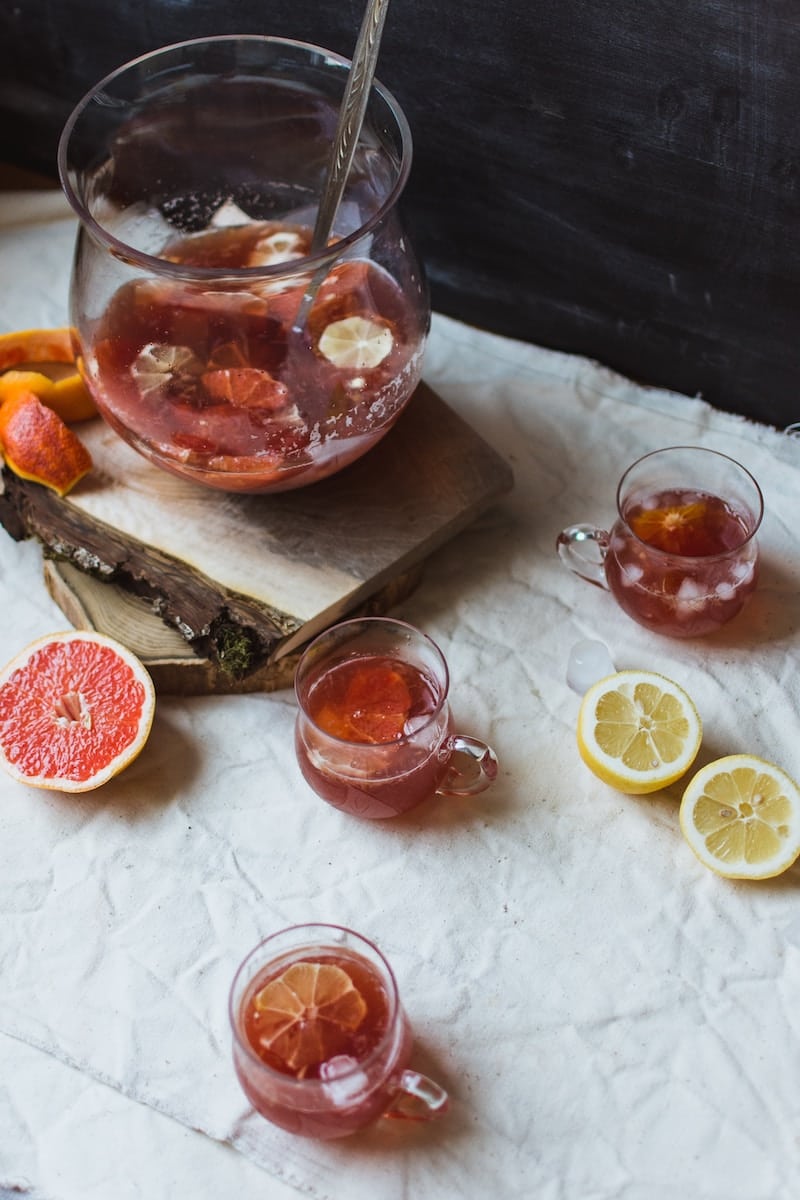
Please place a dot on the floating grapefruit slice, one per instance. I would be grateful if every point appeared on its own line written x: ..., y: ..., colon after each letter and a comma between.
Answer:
x: 378, y: 701
x: 304, y: 1016
x: 247, y: 387
x: 676, y: 529
x: 75, y: 709
x: 373, y: 709
x: 37, y: 444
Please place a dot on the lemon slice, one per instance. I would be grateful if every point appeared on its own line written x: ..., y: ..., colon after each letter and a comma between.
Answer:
x: 305, y: 1014
x: 741, y: 816
x: 356, y: 342
x: 638, y: 731
x: 157, y: 363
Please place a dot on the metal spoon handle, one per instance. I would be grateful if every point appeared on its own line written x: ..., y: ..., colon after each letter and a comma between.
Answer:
x: 351, y: 117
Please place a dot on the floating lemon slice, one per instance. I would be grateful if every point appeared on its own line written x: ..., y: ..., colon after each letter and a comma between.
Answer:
x: 157, y: 363
x: 638, y: 731
x: 306, y: 1013
x: 741, y: 817
x: 356, y: 342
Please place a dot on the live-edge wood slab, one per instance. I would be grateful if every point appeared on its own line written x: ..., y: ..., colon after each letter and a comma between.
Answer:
x: 246, y: 580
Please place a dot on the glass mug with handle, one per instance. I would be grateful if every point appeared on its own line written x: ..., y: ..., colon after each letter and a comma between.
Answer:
x: 374, y: 734
x: 681, y: 558
x: 321, y: 1042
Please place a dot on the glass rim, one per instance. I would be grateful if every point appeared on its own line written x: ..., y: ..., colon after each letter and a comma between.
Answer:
x: 757, y: 515
x: 386, y: 622
x: 151, y: 262
x: 393, y: 997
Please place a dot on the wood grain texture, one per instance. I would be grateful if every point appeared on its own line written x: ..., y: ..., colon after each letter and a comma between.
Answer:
x: 616, y: 180
x: 247, y: 579
x: 177, y: 669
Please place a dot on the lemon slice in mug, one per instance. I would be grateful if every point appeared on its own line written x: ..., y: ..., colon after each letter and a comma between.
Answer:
x: 638, y: 731
x: 741, y: 817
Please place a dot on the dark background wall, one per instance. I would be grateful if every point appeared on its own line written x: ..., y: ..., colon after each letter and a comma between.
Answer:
x: 618, y: 179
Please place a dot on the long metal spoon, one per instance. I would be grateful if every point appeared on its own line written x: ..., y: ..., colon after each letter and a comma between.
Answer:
x: 348, y: 128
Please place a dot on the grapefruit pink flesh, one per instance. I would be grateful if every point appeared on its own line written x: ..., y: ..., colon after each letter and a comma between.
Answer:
x: 75, y: 709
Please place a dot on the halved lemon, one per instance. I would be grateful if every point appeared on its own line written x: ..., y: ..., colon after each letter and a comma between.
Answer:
x: 638, y: 731
x: 741, y: 817
x: 356, y: 342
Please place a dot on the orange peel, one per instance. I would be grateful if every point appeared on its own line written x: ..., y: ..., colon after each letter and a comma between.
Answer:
x: 67, y: 396
x: 39, y: 446
x: 36, y: 346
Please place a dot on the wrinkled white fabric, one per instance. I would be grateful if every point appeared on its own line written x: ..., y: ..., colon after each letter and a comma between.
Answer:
x: 613, y: 1021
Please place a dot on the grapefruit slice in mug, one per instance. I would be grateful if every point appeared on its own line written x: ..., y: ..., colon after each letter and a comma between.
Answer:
x: 75, y: 709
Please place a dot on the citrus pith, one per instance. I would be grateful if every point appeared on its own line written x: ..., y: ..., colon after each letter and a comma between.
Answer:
x: 741, y: 817
x: 638, y: 731
x: 76, y: 708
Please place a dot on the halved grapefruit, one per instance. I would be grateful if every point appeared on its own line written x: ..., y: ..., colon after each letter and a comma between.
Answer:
x: 75, y: 709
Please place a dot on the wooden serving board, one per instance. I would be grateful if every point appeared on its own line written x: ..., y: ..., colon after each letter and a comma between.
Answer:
x: 244, y: 581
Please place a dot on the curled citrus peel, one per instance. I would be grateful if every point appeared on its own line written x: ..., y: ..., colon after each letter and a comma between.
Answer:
x: 34, y: 408
x: 38, y: 445
x: 66, y: 396
x: 36, y: 346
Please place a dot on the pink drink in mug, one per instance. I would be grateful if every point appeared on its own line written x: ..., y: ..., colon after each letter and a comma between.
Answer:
x: 374, y: 734
x: 321, y: 1043
x: 682, y: 557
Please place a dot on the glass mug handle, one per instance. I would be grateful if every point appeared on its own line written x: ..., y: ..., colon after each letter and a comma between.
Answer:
x: 479, y: 767
x: 583, y: 549
x: 418, y: 1098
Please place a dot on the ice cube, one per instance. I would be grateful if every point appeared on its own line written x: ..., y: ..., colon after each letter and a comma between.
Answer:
x: 725, y: 590
x: 742, y: 570
x: 414, y: 722
x: 589, y: 661
x: 229, y: 213
x: 343, y: 1081
x: 690, y: 591
x: 631, y: 575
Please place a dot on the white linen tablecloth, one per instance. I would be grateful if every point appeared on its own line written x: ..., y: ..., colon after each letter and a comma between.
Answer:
x: 613, y: 1021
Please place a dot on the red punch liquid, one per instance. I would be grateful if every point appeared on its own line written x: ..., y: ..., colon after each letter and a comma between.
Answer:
x: 683, y: 562
x: 374, y: 736
x: 213, y: 381
x: 351, y: 1086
